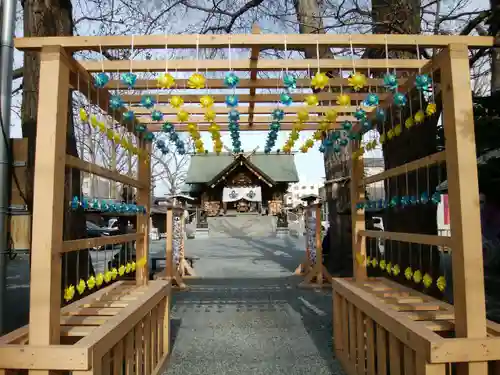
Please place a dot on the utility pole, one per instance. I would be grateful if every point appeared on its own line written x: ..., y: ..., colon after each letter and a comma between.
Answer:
x: 6, y: 63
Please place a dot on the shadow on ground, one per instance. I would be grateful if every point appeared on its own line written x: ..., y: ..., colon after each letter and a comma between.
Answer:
x: 252, y: 326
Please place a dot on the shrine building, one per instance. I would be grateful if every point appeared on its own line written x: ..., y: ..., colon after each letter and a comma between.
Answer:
x: 253, y: 182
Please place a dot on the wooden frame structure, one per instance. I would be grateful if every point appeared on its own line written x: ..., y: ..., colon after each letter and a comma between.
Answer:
x: 315, y: 274
x: 105, y: 325
x: 383, y: 327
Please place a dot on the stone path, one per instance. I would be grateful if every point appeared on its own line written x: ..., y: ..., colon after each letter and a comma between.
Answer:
x: 245, y: 314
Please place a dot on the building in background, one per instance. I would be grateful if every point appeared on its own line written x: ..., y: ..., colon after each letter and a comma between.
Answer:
x: 297, y: 190
x: 374, y: 166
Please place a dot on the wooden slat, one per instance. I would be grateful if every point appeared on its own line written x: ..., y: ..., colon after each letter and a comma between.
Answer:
x: 424, y: 239
x: 261, y: 110
x: 438, y: 157
x: 360, y: 342
x: 89, y: 243
x: 147, y: 344
x: 394, y: 355
x: 83, y: 320
x: 129, y: 353
x: 247, y: 41
x: 337, y: 324
x: 409, y: 361
x: 74, y: 162
x: 371, y: 348
x: 54, y: 357
x: 139, y: 348
x: 118, y: 358
x: 97, y: 311
x: 259, y: 124
x: 345, y: 331
x: 408, y: 332
x: 352, y: 332
x: 77, y: 331
x: 247, y: 98
x: 381, y: 337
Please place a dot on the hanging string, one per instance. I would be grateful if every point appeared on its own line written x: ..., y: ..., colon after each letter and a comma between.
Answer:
x: 166, y: 54
x: 102, y: 58
x: 286, y: 55
x: 317, y: 54
x: 229, y: 52
x: 341, y: 75
x: 197, y: 51
x: 386, y: 54
x: 419, y: 72
x: 352, y: 55
x: 131, y: 52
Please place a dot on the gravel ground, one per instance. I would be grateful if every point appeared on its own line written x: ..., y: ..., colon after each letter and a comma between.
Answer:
x: 244, y: 314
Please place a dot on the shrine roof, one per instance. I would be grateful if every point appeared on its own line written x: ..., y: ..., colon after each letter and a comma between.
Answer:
x: 278, y: 167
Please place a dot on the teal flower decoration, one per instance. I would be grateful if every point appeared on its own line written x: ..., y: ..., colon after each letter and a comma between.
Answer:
x: 115, y: 102
x: 232, y: 100
x: 286, y: 99
x: 290, y: 81
x: 399, y: 99
x: 423, y: 82
x: 231, y: 80
x: 371, y: 100
x: 101, y: 80
x: 234, y: 115
x: 140, y: 128
x: 360, y: 114
x: 278, y: 114
x: 156, y: 115
x: 129, y: 79
x: 167, y: 127
x: 147, y: 101
x: 390, y: 82
x: 128, y: 116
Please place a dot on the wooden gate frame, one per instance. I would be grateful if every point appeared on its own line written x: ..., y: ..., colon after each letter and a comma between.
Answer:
x: 43, y: 354
x: 374, y: 328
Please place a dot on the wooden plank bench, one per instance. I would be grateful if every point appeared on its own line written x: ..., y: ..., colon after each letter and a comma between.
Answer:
x: 111, y: 328
x: 381, y: 325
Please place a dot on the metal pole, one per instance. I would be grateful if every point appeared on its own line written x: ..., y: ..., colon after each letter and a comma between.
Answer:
x: 6, y: 63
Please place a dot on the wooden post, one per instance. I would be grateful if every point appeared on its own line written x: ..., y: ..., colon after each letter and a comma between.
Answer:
x: 144, y: 199
x: 463, y: 190
x: 48, y: 204
x: 357, y: 216
x: 318, y: 273
x: 169, y: 261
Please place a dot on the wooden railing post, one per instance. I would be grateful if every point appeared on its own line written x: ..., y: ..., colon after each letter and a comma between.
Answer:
x: 463, y: 190
x: 357, y: 216
x: 144, y: 199
x: 48, y: 205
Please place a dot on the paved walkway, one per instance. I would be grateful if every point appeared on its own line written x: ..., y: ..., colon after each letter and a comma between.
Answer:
x: 244, y: 315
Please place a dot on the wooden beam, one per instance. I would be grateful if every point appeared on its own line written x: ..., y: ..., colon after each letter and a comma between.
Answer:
x: 245, y: 83
x: 261, y: 126
x: 247, y: 65
x: 247, y: 98
x: 423, y: 239
x: 357, y: 216
x: 89, y: 243
x: 48, y: 207
x: 261, y: 110
x: 143, y: 199
x: 254, y: 57
x: 463, y: 192
x: 274, y: 41
x: 438, y: 157
x: 74, y: 162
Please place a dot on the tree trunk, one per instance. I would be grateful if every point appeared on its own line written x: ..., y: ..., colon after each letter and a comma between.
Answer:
x: 495, y: 54
x: 310, y: 21
x: 394, y: 17
x: 42, y: 18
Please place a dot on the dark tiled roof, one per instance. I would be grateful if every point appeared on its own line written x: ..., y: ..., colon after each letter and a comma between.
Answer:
x: 279, y: 167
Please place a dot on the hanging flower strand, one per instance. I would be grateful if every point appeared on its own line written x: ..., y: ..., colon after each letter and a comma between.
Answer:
x: 197, y: 81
